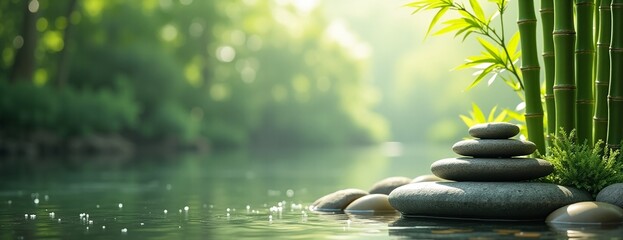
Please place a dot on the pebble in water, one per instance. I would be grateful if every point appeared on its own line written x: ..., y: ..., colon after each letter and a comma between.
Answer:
x: 290, y: 193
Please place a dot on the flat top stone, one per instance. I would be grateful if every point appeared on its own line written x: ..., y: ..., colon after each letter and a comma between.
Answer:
x: 484, y: 200
x: 494, y: 130
x: 491, y: 169
x: 492, y: 148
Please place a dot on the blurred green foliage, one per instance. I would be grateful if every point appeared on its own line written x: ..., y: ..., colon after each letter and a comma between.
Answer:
x: 231, y: 72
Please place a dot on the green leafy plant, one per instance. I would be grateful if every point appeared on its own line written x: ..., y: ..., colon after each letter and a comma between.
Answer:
x: 590, y: 168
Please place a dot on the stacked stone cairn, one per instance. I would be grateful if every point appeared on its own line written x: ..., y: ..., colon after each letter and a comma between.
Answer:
x: 490, y: 181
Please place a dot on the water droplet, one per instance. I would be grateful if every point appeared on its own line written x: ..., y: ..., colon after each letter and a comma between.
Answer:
x: 52, y: 215
x: 290, y: 193
x: 169, y: 187
x: 97, y: 206
x: 205, y: 205
x: 227, y: 214
x: 165, y: 211
x: 87, y: 228
x: 180, y: 210
x: 186, y: 208
x: 120, y: 205
x: 10, y: 202
x: 32, y: 216
x: 36, y: 201
x: 228, y: 209
x: 211, y: 206
x: 90, y: 222
x: 26, y: 216
x: 46, y: 197
x: 142, y: 224
x: 59, y: 220
x: 103, y: 227
x: 124, y: 230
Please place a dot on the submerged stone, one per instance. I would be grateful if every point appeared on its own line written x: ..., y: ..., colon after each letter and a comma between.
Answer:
x: 588, y: 213
x: 612, y: 194
x: 370, y: 204
x: 484, y: 200
x: 491, y: 169
x: 386, y: 185
x: 429, y: 178
x: 494, y: 130
x: 337, y: 201
x: 493, y: 148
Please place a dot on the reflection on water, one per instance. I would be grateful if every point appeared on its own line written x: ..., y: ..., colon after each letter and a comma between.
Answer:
x: 226, y: 195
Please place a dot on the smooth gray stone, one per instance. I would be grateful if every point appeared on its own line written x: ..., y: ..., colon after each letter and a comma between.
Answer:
x: 494, y: 130
x: 587, y: 213
x: 386, y: 185
x: 612, y: 194
x: 484, y: 200
x: 490, y: 148
x: 337, y: 201
x: 491, y: 169
x: 429, y: 178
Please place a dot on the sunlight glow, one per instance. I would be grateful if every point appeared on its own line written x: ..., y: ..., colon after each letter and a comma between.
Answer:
x: 339, y: 32
x: 225, y: 53
x: 168, y: 32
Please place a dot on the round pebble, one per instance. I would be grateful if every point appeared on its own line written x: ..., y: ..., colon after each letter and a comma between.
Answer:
x: 589, y: 213
x: 428, y: 178
x: 386, y: 185
x: 612, y: 194
x: 373, y: 203
x: 494, y: 130
x: 337, y: 201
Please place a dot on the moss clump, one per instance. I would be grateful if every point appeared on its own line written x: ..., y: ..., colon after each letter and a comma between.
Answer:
x: 590, y: 168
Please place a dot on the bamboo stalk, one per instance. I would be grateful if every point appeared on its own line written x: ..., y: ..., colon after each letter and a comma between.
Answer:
x: 564, y: 44
x: 531, y: 73
x: 602, y: 78
x: 584, y: 62
x: 615, y: 94
x: 547, y: 23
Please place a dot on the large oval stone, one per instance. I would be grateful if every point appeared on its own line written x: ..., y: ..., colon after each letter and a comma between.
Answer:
x: 386, y: 185
x: 370, y: 204
x: 491, y: 169
x: 491, y: 148
x: 484, y: 200
x: 587, y: 213
x: 337, y: 201
x: 494, y: 130
x: 612, y: 194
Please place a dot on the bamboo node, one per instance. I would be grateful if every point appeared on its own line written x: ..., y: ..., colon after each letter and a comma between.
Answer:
x: 531, y: 68
x: 525, y: 21
x: 614, y: 49
x: 548, y: 10
x: 615, y: 98
x: 600, y: 120
x: 600, y: 83
x: 585, y: 4
x: 549, y: 96
x: 584, y: 51
x: 550, y: 53
x: 533, y: 115
x: 564, y: 87
x: 604, y: 44
x: 616, y: 5
x: 563, y: 32
x: 585, y: 101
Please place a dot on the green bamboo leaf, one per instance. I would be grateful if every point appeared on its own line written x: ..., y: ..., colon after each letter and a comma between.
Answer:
x: 482, y: 74
x: 452, y: 25
x: 513, y: 44
x: 501, y: 117
x: 468, y: 121
x: 439, y: 14
x: 477, y: 113
x: 477, y: 9
x: 491, y: 49
x: 492, y: 114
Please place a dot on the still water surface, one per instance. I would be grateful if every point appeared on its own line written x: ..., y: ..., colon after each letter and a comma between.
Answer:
x: 233, y: 195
